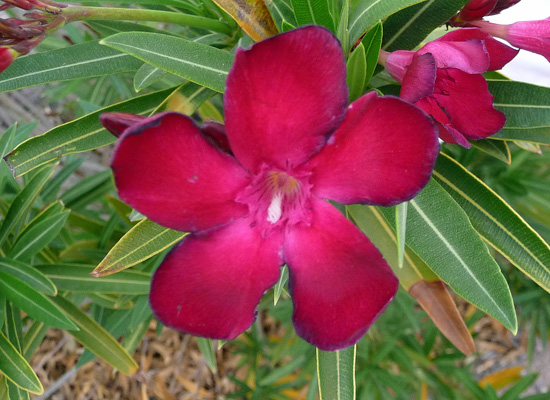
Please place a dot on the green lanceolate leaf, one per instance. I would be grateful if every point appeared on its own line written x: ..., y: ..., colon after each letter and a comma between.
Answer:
x: 372, y: 42
x: 80, y: 135
x: 373, y: 224
x: 37, y: 236
x: 140, y: 243
x: 342, y: 33
x: 406, y: 29
x: 34, y: 303
x: 282, y: 12
x: 107, y: 28
x: 23, y: 202
x: 336, y: 374
x: 496, y: 148
x: 366, y: 13
x: 357, y: 69
x: 6, y: 143
x: 280, y: 286
x: 207, y: 350
x: 314, y: 12
x: 401, y: 230
x: 526, y: 108
x: 76, y: 278
x: 96, y: 339
x: 84, y: 60
x: 197, y: 62
x: 146, y: 75
x: 14, y: 367
x: 28, y: 274
x: 496, y: 221
x: 186, y: 99
x: 441, y: 234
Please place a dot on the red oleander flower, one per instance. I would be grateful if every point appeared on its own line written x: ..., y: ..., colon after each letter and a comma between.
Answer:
x: 6, y: 58
x: 254, y: 193
x: 444, y: 79
x: 532, y: 36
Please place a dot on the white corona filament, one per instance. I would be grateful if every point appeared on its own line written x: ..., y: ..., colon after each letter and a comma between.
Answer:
x: 274, y: 211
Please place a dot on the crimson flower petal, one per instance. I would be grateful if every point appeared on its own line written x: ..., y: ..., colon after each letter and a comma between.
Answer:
x: 468, y: 103
x: 499, y: 53
x: 215, y: 134
x: 383, y: 154
x: 470, y: 56
x: 339, y: 281
x: 284, y: 97
x: 210, y: 284
x: 476, y: 9
x: 446, y: 131
x: 166, y: 169
x: 419, y: 79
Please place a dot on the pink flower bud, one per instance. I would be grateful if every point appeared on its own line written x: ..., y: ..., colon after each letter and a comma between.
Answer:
x: 476, y: 9
x: 532, y: 36
x: 6, y: 58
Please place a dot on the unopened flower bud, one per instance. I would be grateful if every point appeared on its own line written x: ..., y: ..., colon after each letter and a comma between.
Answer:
x: 6, y: 58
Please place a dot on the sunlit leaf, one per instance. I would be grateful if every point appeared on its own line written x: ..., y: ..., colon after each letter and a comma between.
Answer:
x: 140, y: 243
x: 336, y: 374
x: 252, y: 16
x: 441, y: 234
x: 501, y: 226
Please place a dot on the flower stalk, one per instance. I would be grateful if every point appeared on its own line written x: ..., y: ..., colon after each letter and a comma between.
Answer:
x: 72, y: 14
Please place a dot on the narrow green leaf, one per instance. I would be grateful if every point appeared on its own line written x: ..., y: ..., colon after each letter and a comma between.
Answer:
x: 53, y: 186
x: 372, y: 223
x: 76, y: 277
x: 23, y: 201
x: 366, y: 13
x: 206, y: 348
x: 16, y: 393
x: 107, y: 28
x: 401, y: 230
x: 32, y: 339
x: 84, y: 60
x: 282, y: 13
x: 357, y: 70
x: 95, y: 338
x: 34, y: 303
x: 141, y: 242
x: 146, y: 75
x: 526, y: 108
x: 186, y: 99
x: 6, y: 143
x: 4, y: 388
x: 496, y: 148
x: 28, y: 274
x: 406, y: 29
x: 343, y: 32
x: 285, y: 370
x: 441, y: 234
x: 37, y: 236
x: 85, y: 191
x: 280, y: 286
x: 336, y: 374
x: 500, y: 225
x: 80, y: 135
x: 372, y: 42
x: 16, y: 368
x: 197, y: 62
x: 314, y: 12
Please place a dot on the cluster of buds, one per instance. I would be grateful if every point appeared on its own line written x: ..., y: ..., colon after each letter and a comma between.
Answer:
x: 532, y: 36
x: 20, y: 36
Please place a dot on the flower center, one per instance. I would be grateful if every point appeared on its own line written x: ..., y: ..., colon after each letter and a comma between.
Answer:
x: 277, y: 197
